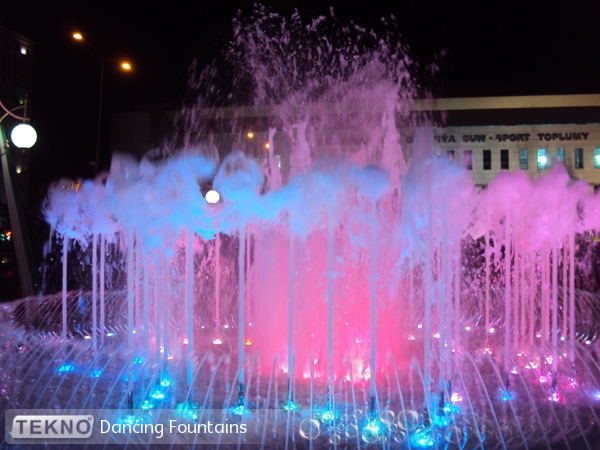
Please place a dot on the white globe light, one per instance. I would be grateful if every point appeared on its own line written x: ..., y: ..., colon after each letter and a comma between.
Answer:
x: 542, y: 160
x: 212, y: 197
x: 23, y: 136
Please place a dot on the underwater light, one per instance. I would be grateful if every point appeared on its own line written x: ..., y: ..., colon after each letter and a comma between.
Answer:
x: 239, y: 410
x: 291, y: 405
x: 66, y: 368
x: 157, y: 395
x: 217, y: 341
x: 147, y: 404
x: 212, y: 197
x: 95, y: 373
x: 248, y: 342
x: 186, y: 341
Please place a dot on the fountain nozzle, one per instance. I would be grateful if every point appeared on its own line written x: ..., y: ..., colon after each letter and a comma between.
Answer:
x: 130, y: 399
x: 241, y: 399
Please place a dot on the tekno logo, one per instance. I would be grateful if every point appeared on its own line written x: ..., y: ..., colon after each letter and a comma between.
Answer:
x: 52, y: 427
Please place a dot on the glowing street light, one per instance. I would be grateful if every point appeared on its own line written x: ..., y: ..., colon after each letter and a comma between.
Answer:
x: 124, y: 65
x: 212, y: 197
x: 23, y: 136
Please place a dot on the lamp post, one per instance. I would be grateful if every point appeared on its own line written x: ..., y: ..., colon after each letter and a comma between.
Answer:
x: 126, y: 66
x: 23, y: 136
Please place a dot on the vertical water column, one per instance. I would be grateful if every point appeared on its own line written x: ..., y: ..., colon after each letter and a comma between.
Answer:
x: 241, y: 275
x: 487, y: 284
x: 564, y: 287
x: 373, y: 305
x: 217, y: 284
x: 158, y: 270
x: 507, y: 292
x: 102, y: 264
x: 94, y: 290
x: 130, y: 299
x: 189, y: 256
x: 64, y: 287
x: 290, y: 318
x: 330, y: 373
x: 428, y: 293
x: 146, y: 306
x: 457, y: 289
x: 554, y: 309
x: 517, y: 294
x: 572, y: 294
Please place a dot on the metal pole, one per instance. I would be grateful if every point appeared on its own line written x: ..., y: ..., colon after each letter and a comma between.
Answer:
x: 16, y: 220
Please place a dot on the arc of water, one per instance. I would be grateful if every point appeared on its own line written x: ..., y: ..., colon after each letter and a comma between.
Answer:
x: 534, y: 409
x: 510, y: 403
x: 401, y: 402
x: 267, y: 402
x: 350, y: 373
x: 487, y: 395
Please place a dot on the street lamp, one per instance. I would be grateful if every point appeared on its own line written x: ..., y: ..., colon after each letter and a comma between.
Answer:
x: 124, y: 65
x: 23, y: 136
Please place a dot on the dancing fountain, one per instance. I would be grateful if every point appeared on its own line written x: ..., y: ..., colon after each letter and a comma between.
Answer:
x: 365, y: 294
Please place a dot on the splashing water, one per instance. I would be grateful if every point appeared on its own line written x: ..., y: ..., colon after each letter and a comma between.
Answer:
x: 389, y: 300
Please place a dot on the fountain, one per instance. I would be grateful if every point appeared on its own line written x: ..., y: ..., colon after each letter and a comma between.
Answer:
x: 363, y: 294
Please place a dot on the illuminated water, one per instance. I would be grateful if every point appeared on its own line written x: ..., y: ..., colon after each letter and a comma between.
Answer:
x: 362, y: 284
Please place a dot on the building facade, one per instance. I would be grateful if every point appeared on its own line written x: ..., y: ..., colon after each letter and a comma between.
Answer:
x: 535, y: 149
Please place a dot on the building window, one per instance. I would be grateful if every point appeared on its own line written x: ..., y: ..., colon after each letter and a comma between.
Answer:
x: 597, y: 158
x: 560, y: 155
x: 504, y: 159
x: 524, y: 159
x: 579, y: 158
x: 542, y: 159
x: 468, y: 158
x: 451, y: 155
x: 487, y: 160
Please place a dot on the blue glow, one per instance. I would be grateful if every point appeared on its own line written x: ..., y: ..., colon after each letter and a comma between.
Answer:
x: 138, y: 360
x: 506, y: 396
x: 157, y: 395
x: 423, y: 438
x: 95, y: 373
x: 239, y: 410
x: 66, y: 368
x: 327, y: 415
x: 188, y: 410
x: 110, y: 334
x: 291, y: 406
x: 374, y: 426
x: 441, y: 420
x: 147, y: 404
x: 165, y: 382
x: 129, y: 419
x: 126, y: 377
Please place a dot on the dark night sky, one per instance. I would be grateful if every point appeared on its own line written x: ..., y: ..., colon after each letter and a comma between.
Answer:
x: 493, y: 48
